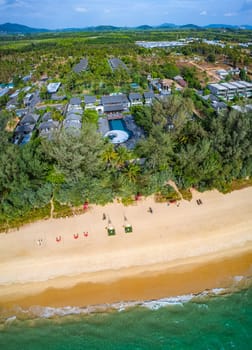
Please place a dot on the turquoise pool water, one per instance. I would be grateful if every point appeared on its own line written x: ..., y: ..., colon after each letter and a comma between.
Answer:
x: 117, y: 124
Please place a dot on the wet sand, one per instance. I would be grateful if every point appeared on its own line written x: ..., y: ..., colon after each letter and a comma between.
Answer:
x: 186, y: 279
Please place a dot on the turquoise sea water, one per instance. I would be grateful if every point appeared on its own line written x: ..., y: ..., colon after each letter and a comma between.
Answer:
x: 216, y: 320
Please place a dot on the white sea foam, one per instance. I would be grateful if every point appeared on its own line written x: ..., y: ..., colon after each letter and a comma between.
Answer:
x: 157, y: 304
x: 238, y: 278
x: 218, y: 291
x: 47, y: 312
x: 11, y: 319
x: 50, y: 312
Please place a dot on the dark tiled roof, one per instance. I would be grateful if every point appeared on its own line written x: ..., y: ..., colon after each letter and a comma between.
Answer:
x: 24, y: 129
x: 113, y: 108
x: 75, y: 110
x: 29, y: 119
x: 89, y: 99
x: 72, y: 124
x: 117, y: 63
x: 149, y: 94
x: 114, y: 99
x: 135, y: 96
x: 73, y: 116
x: 55, y: 97
x: 75, y: 101
x: 81, y: 66
x: 47, y: 116
x: 49, y: 125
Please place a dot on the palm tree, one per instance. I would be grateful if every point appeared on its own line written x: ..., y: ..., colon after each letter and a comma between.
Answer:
x: 109, y: 155
x: 132, y: 171
x: 122, y: 156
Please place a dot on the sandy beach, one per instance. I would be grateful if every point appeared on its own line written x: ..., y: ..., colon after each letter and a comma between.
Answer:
x: 171, y: 251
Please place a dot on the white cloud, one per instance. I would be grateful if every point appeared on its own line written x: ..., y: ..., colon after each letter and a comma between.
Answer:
x: 81, y: 9
x: 107, y: 11
x: 203, y: 13
x: 230, y: 14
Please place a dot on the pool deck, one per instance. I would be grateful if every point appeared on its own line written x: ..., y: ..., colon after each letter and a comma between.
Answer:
x: 136, y: 132
x: 115, y: 117
x: 103, y: 126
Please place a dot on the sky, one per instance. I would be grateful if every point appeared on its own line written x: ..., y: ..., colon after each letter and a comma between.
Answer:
x: 56, y: 14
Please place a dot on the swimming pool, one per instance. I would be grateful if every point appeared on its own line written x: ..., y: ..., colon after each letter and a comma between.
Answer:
x: 118, y: 131
x: 117, y: 124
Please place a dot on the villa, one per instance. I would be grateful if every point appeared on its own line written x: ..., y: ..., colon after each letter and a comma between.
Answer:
x: 81, y: 66
x: 148, y: 97
x: 114, y: 103
x: 52, y: 88
x: 116, y: 63
x: 90, y: 102
x: 48, y: 127
x: 73, y: 118
x: 135, y: 99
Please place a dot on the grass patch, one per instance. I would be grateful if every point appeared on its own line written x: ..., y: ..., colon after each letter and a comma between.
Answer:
x: 186, y: 194
x: 63, y: 210
x: 128, y: 201
x: 25, y: 218
x: 238, y: 184
x: 167, y: 193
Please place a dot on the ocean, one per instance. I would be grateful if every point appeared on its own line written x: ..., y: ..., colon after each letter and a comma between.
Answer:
x: 213, y: 320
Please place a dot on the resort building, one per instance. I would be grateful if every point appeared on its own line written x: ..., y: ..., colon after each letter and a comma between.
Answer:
x: 23, y: 131
x: 27, y: 99
x: 152, y: 44
x: 52, y: 88
x: 148, y: 97
x: 47, y: 128
x: 90, y: 102
x: 231, y: 90
x: 75, y: 101
x: 116, y: 63
x: 135, y: 99
x: 228, y: 91
x: 243, y: 109
x: 115, y: 103
x: 218, y: 89
x: 73, y: 118
x: 81, y: 66
x: 166, y: 85
x: 3, y: 91
x: 180, y: 81
x: 248, y: 88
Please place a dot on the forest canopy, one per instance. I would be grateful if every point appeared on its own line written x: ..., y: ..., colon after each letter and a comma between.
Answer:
x: 75, y: 167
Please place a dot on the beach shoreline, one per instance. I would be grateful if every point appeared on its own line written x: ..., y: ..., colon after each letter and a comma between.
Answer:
x: 171, y: 251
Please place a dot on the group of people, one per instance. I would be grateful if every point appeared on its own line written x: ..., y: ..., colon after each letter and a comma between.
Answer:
x: 199, y: 201
x: 39, y: 241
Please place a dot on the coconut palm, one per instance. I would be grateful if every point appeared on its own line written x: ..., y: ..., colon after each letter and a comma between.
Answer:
x: 109, y: 155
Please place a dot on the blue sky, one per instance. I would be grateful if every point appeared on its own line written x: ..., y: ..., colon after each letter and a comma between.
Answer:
x: 80, y: 13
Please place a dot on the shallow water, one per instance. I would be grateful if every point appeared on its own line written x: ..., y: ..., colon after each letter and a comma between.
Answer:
x: 212, y: 320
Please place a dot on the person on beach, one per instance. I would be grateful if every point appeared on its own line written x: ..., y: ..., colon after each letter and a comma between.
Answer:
x: 103, y: 216
x: 150, y: 210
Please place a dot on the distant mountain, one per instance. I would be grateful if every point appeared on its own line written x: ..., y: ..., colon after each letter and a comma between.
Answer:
x: 189, y: 26
x: 167, y: 25
x: 228, y: 26
x: 104, y: 28
x: 144, y: 27
x: 13, y: 28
